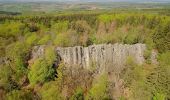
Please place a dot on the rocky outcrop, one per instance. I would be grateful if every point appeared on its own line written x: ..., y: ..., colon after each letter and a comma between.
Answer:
x: 103, y: 57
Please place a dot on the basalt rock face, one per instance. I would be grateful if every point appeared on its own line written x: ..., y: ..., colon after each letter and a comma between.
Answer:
x: 101, y: 57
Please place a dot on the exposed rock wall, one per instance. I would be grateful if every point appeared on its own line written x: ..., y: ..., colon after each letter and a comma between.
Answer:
x: 102, y: 57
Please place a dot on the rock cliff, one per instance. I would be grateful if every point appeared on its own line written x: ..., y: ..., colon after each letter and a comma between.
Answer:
x: 103, y: 57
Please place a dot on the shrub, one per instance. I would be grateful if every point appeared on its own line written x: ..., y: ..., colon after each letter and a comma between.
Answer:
x: 50, y: 55
x: 59, y: 27
x: 164, y: 58
x: 159, y: 80
x: 44, y: 40
x: 69, y: 82
x: 132, y: 72
x: 31, y: 39
x: 5, y: 74
x: 42, y: 70
x: 103, y: 38
x: 161, y: 37
x: 134, y: 77
x: 99, y: 89
x: 66, y: 39
x: 50, y: 91
x: 33, y: 27
x: 17, y: 54
x: 81, y: 26
x: 147, y: 56
x: 12, y: 28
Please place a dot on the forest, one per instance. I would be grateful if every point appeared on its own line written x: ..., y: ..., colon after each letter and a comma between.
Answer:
x: 42, y: 80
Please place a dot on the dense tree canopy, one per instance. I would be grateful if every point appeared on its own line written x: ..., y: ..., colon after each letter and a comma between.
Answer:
x: 43, y: 79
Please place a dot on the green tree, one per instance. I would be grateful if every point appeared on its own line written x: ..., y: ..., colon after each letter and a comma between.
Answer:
x: 161, y: 37
x: 12, y: 28
x: 5, y: 74
x: 99, y: 89
x: 134, y: 77
x: 42, y: 69
x: 50, y: 91
x: 17, y: 54
x: 159, y: 77
x: 44, y: 40
x: 66, y: 39
x: 59, y: 27
x: 31, y: 39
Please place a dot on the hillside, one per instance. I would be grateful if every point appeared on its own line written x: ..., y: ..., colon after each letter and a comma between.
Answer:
x: 116, y: 54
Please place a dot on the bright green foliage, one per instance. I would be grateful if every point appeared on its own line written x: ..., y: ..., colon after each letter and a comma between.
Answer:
x: 60, y: 74
x: 161, y: 36
x: 12, y: 28
x: 44, y: 40
x: 164, y: 58
x: 61, y: 26
x: 50, y: 91
x: 134, y: 77
x: 125, y: 34
x: 20, y: 95
x: 43, y: 28
x: 159, y: 78
x: 159, y: 24
x: 31, y: 39
x: 120, y: 34
x: 66, y: 39
x: 130, y: 39
x: 159, y: 96
x: 133, y: 72
x: 17, y: 53
x: 78, y: 95
x: 50, y: 55
x: 99, y: 89
x: 62, y: 40
x: 103, y: 38
x: 147, y: 83
x: 150, y: 20
x: 127, y: 28
x: 130, y: 35
x: 42, y: 70
x: 3, y: 44
x: 5, y: 73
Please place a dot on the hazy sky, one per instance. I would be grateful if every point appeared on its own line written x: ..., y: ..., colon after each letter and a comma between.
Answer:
x: 97, y: 0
